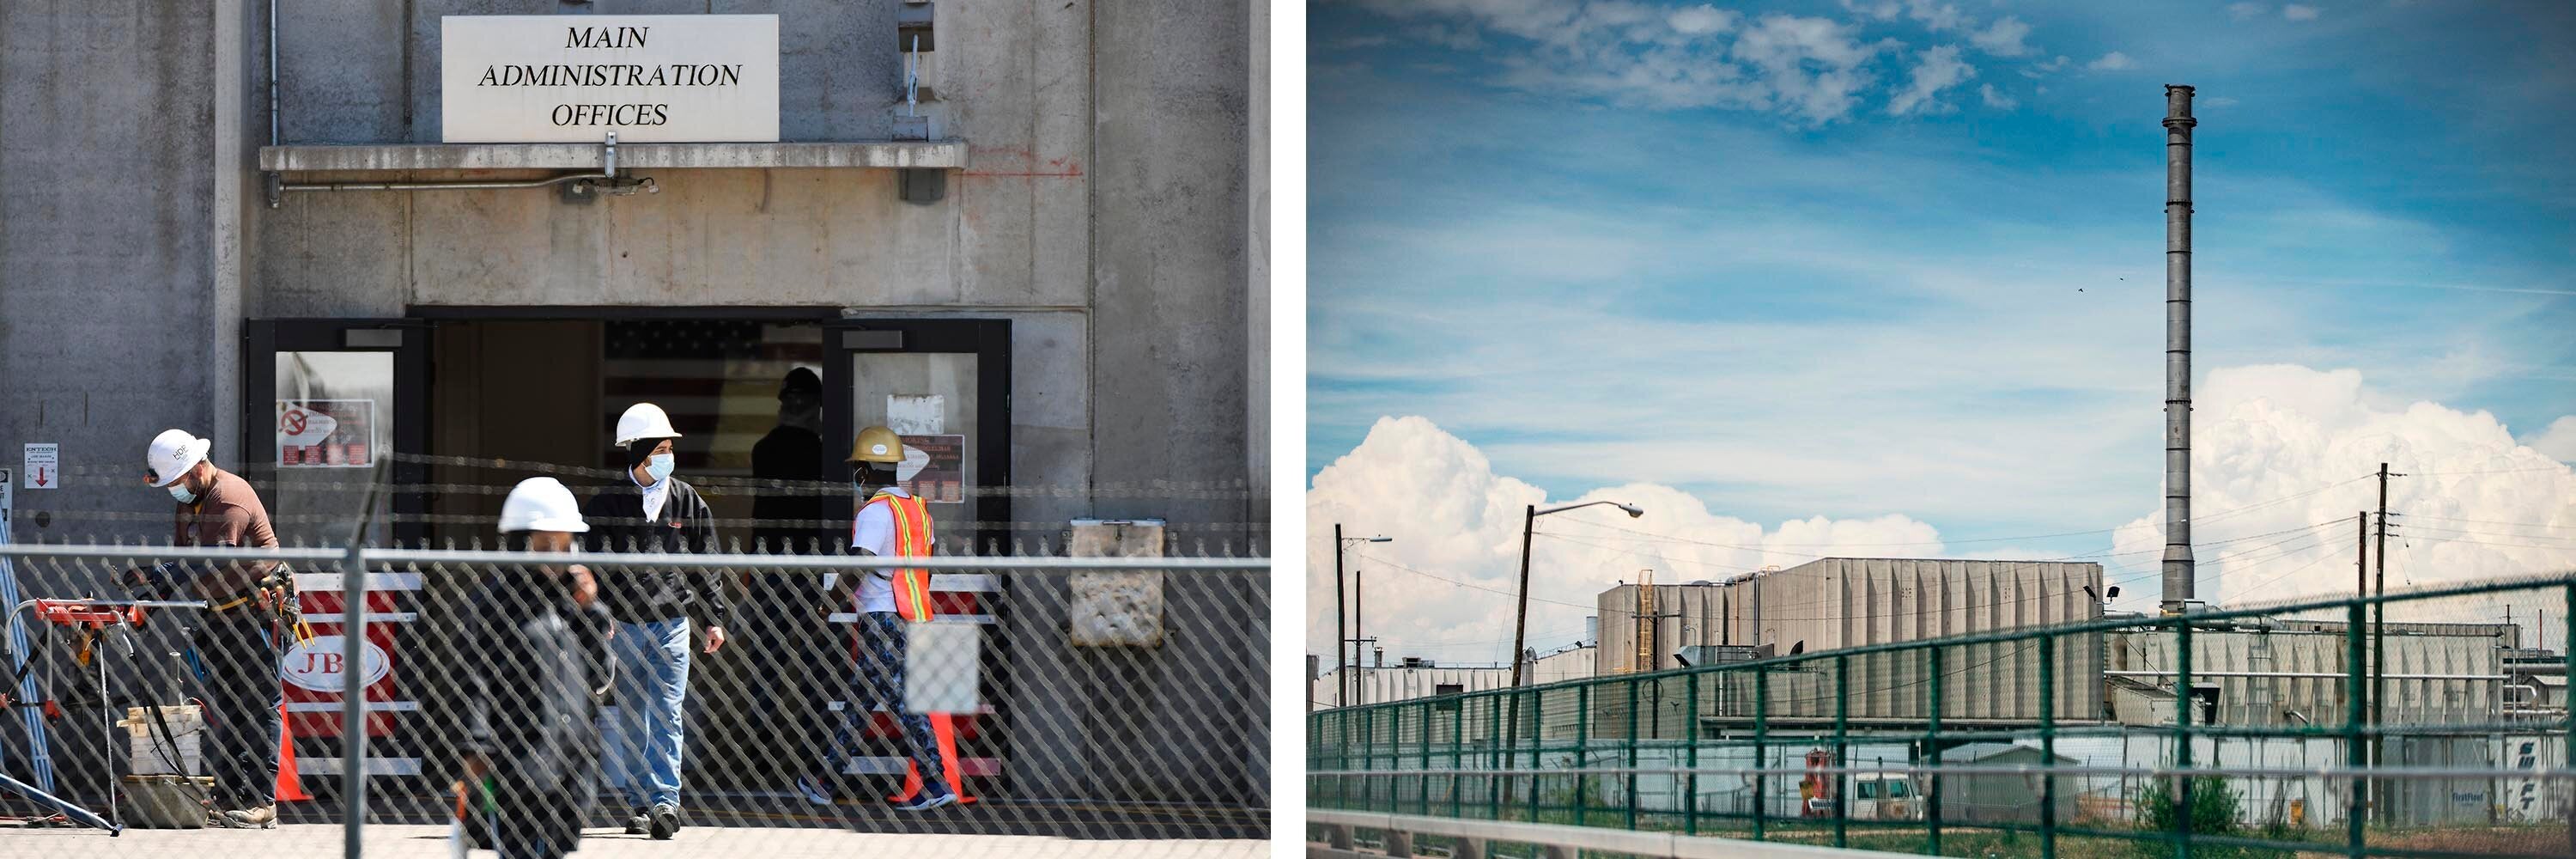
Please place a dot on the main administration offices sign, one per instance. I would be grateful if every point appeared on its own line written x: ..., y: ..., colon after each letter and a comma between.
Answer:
x: 575, y: 78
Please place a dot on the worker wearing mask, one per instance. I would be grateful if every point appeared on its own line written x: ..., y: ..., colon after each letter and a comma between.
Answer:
x: 891, y: 523
x: 652, y: 511
x: 238, y: 639
x: 530, y: 753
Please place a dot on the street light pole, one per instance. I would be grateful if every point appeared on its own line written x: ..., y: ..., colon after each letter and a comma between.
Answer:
x: 1520, y: 621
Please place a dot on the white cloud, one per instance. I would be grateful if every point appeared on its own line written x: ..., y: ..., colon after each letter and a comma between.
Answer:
x: 2044, y: 69
x: 2557, y: 442
x: 1453, y: 518
x: 1701, y: 20
x: 2242, y: 11
x: 1884, y: 10
x: 2003, y: 38
x: 2112, y: 62
x: 1936, y: 16
x: 1637, y: 55
x: 1996, y: 99
x: 2474, y: 504
x: 1940, y: 68
x: 2296, y: 12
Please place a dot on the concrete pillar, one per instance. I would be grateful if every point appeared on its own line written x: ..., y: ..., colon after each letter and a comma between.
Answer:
x: 1468, y: 848
x: 1338, y: 836
x: 1399, y: 844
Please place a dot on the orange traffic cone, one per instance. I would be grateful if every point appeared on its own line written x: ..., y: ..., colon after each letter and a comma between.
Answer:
x: 945, y: 729
x: 290, y: 786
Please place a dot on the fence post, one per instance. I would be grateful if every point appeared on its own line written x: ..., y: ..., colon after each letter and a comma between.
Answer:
x: 1494, y: 783
x: 2357, y: 793
x: 1458, y: 760
x: 2048, y: 746
x: 1761, y: 748
x: 1582, y: 754
x: 353, y: 698
x: 2570, y: 729
x: 2184, y: 700
x: 1538, y: 725
x: 1690, y: 789
x: 1932, y: 752
x: 1428, y: 709
x: 1842, y: 745
x: 1632, y: 754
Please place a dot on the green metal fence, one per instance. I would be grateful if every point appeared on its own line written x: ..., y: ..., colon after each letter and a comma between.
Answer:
x: 1901, y: 746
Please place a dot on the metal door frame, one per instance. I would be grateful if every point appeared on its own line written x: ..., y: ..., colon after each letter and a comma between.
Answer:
x: 262, y: 339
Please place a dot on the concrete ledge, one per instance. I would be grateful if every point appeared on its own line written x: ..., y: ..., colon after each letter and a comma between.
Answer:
x: 392, y: 157
x: 1661, y: 845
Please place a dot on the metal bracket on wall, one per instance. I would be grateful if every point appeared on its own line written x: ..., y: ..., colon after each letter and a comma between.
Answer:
x: 579, y: 186
x: 913, y: 28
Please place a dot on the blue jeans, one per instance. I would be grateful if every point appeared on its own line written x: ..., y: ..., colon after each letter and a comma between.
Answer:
x: 640, y: 738
x: 879, y: 683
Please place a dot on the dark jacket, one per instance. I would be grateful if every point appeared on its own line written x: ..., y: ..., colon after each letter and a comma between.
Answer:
x: 791, y: 517
x: 648, y: 594
x: 530, y: 706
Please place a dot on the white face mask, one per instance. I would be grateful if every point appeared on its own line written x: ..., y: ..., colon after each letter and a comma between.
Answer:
x: 179, y: 490
x: 659, y: 467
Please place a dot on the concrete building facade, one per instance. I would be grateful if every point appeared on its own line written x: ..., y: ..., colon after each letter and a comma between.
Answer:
x: 1060, y: 274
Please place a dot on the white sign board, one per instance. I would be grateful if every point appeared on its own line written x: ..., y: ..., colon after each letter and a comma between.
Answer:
x: 44, y: 465
x: 317, y: 664
x: 575, y: 78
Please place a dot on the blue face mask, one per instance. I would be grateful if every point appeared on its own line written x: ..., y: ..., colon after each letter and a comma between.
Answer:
x: 659, y: 467
x: 179, y: 490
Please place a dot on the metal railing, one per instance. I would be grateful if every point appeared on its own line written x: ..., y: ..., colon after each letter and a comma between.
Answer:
x: 1153, y: 728
x: 2019, y: 741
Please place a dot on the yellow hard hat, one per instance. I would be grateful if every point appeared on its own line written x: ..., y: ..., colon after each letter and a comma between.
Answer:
x: 877, y: 444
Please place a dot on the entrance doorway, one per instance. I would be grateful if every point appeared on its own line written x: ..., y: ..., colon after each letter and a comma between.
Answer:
x: 412, y: 431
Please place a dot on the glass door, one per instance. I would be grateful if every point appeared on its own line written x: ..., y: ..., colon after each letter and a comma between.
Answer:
x: 334, y: 424
x: 945, y: 386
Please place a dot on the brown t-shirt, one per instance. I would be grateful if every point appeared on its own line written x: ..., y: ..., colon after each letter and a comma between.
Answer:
x: 228, y: 513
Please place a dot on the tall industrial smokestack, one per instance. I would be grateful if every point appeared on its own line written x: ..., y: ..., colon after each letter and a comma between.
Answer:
x: 2177, y: 564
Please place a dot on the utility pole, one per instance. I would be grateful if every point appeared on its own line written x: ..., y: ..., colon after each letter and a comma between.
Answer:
x: 1520, y: 616
x: 1341, y: 622
x: 2379, y: 638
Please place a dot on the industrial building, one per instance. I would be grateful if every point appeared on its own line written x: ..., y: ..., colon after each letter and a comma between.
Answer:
x: 1417, y: 677
x: 1835, y: 603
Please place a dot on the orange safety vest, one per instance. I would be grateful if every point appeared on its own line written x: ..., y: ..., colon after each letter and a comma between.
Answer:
x: 911, y: 540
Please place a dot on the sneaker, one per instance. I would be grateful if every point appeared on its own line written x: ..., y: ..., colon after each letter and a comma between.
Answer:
x: 666, y: 822
x: 926, y: 802
x: 813, y: 791
x: 638, y: 820
x: 257, y: 817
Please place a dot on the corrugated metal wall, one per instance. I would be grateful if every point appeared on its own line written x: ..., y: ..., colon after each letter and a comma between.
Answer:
x: 2267, y: 701
x: 1849, y: 602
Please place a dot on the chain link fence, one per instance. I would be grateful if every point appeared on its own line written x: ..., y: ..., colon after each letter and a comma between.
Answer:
x: 2307, y: 727
x: 1072, y: 705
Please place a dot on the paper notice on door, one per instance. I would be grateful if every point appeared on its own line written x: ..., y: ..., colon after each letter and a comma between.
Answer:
x: 916, y: 414
x: 941, y: 475
x: 326, y: 433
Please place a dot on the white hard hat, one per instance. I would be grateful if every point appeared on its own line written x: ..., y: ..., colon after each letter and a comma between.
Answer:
x: 173, y: 452
x: 541, y: 504
x: 643, y: 420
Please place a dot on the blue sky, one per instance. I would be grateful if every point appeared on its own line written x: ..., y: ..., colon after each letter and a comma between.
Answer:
x: 1825, y: 259
x: 1885, y: 277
